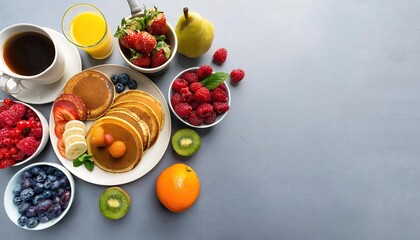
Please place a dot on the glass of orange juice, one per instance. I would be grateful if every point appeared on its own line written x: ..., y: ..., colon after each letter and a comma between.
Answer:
x: 85, y: 26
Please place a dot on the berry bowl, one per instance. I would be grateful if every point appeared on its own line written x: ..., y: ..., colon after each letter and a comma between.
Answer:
x: 39, y: 195
x: 149, y: 63
x: 23, y: 133
x: 191, y: 101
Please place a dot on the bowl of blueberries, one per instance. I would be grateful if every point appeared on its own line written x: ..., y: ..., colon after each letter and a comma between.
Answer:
x: 39, y: 195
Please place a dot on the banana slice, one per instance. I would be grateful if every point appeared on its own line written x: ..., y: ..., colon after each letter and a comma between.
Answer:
x: 74, y: 131
x: 74, y: 138
x: 75, y: 123
x: 75, y: 149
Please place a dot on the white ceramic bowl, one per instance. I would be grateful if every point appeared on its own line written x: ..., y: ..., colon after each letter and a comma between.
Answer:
x: 219, y: 118
x: 172, y: 41
x: 12, y: 210
x: 45, y: 133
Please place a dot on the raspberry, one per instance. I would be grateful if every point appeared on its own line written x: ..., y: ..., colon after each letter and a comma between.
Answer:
x: 194, y: 104
x: 194, y: 119
x: 176, y: 98
x: 222, y: 86
x: 183, y: 109
x: 186, y: 95
x: 204, y: 109
x: 195, y: 86
x: 218, y: 95
x: 5, y: 133
x: 220, y: 55
x: 202, y: 95
x: 211, y: 118
x: 14, y: 114
x: 237, y: 75
x: 220, y: 107
x: 19, y: 156
x: 7, y: 163
x: 30, y: 113
x: 204, y: 71
x: 8, y: 102
x: 190, y: 77
x: 28, y: 145
x: 179, y: 84
x: 36, y: 133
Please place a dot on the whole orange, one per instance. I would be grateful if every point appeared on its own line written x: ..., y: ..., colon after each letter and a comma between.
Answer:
x: 178, y: 187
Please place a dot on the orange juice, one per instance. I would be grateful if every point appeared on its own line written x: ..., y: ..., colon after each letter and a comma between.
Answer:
x: 90, y: 32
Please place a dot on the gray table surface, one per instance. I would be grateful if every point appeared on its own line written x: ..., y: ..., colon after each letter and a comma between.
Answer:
x: 322, y: 140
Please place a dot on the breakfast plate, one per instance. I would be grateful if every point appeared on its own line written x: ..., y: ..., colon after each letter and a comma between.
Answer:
x: 151, y: 156
x: 40, y: 94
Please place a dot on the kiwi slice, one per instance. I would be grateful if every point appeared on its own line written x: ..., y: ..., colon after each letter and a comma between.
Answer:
x: 186, y: 142
x: 114, y: 203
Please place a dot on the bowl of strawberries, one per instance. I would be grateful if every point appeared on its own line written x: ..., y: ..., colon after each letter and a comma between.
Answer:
x: 146, y: 41
x: 199, y: 97
x: 23, y: 133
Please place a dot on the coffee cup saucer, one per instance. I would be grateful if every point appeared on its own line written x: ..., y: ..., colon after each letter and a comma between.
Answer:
x: 41, y: 94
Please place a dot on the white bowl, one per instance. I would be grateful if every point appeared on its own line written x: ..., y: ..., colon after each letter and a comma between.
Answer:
x: 12, y: 210
x: 45, y: 133
x: 172, y: 41
x: 219, y: 118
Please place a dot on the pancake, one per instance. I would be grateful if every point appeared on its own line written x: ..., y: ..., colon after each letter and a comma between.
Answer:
x: 120, y: 130
x: 143, y: 97
x: 135, y: 121
x: 95, y: 89
x: 146, y: 114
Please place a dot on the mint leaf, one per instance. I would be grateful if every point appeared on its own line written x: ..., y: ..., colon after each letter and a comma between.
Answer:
x: 89, y: 165
x: 77, y: 163
x: 214, y: 80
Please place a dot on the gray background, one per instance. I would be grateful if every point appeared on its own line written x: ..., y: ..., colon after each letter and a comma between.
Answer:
x: 322, y: 140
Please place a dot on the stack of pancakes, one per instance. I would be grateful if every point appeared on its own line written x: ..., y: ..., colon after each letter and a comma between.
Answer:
x: 134, y: 117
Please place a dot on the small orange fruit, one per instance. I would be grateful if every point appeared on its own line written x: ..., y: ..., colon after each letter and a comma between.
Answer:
x: 117, y: 149
x: 98, y: 137
x: 178, y: 187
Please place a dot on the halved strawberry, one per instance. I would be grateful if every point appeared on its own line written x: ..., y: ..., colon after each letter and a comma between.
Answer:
x: 65, y: 110
x: 59, y: 128
x: 81, y: 107
x: 61, y: 147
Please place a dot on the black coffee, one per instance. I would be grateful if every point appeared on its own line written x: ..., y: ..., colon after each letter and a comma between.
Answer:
x: 28, y: 53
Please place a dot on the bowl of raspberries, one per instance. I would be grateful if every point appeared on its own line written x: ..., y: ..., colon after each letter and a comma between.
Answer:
x: 23, y: 133
x: 146, y: 42
x: 199, y: 97
x: 39, y: 195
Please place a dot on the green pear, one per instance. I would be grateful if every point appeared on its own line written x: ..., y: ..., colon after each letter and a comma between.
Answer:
x: 195, y: 34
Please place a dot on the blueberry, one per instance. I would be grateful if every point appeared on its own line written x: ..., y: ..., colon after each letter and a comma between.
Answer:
x: 47, y: 184
x: 124, y: 79
x: 26, y: 174
x: 47, y: 194
x: 59, y: 173
x: 27, y: 194
x: 54, y: 211
x: 17, y: 200
x: 31, y: 211
x: 17, y: 189
x: 22, y: 220
x: 44, y: 205
x: 114, y: 78
x: 43, y: 219
x: 52, y: 177
x: 55, y: 185
x: 119, y: 87
x: 37, y: 199
x: 132, y: 84
x: 38, y: 188
x: 32, y: 222
x: 26, y: 183
x: 50, y: 170
x: 56, y: 199
x: 65, y: 198
x: 64, y: 182
x: 23, y: 207
x: 41, y: 177
x: 36, y: 170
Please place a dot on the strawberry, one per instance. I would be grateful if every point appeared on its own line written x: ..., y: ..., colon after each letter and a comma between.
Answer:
x: 80, y: 105
x: 156, y: 22
x: 143, y: 42
x: 64, y: 110
x: 158, y: 58
x: 61, y: 147
x: 59, y: 128
x: 126, y: 38
x: 139, y: 59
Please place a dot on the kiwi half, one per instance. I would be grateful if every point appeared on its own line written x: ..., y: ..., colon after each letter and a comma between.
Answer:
x: 186, y: 142
x: 114, y: 203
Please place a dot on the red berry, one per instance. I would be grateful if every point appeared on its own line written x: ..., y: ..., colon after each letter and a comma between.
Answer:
x: 13, y: 114
x: 109, y: 139
x: 179, y: 84
x: 7, y: 163
x: 211, y: 118
x: 176, y: 98
x: 190, y: 77
x: 18, y: 156
x: 8, y: 102
x: 220, y: 55
x: 195, y: 86
x: 158, y: 58
x: 202, y: 95
x: 237, y: 75
x: 28, y: 145
x: 220, y: 107
x: 183, y: 109
x: 194, y: 119
x: 35, y: 132
x: 223, y: 87
x: 204, y: 109
x: 186, y: 95
x: 204, y: 71
x: 218, y: 95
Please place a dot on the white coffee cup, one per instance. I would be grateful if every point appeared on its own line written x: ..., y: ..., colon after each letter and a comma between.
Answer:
x: 12, y: 82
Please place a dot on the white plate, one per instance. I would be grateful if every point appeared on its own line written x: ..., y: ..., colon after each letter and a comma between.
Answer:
x: 40, y: 94
x: 151, y: 156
